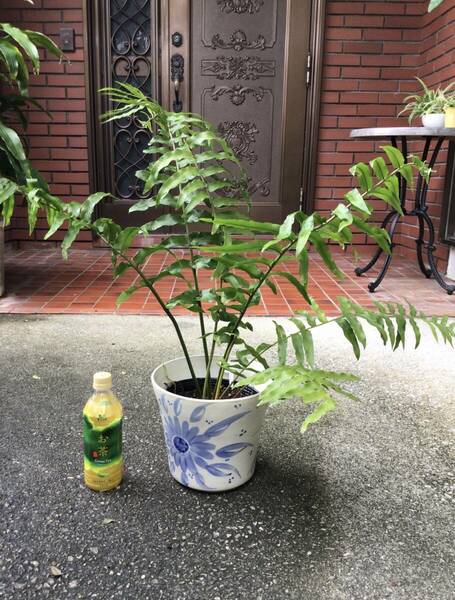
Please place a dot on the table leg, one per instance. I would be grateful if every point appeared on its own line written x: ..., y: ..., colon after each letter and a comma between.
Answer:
x: 392, y: 217
x: 374, y: 284
x: 450, y: 289
x: 420, y: 244
x: 359, y: 271
x: 421, y: 212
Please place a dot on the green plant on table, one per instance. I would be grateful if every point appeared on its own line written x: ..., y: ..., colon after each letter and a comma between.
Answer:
x: 450, y: 103
x: 196, y: 176
x: 434, y: 4
x: 429, y: 102
x: 18, y: 49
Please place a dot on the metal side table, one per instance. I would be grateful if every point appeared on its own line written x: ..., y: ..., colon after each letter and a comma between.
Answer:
x: 434, y: 138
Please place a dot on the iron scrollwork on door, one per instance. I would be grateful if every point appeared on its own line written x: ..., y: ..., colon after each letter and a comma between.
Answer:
x: 237, y: 93
x: 131, y: 48
x: 240, y: 135
x: 240, y: 6
x: 238, y: 41
x: 238, y: 67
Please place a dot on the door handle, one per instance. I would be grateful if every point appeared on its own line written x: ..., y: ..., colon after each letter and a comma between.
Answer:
x: 177, y: 73
x: 177, y: 105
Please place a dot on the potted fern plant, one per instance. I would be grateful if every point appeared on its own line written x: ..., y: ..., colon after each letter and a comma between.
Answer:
x: 212, y: 404
x: 430, y: 106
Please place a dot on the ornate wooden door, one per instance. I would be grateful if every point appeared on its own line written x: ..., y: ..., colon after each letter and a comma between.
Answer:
x: 239, y: 63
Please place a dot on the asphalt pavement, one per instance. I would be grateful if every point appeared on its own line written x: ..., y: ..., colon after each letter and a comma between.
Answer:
x: 360, y: 507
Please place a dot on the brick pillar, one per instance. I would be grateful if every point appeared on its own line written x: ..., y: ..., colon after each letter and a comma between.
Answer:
x: 368, y: 53
x: 58, y: 146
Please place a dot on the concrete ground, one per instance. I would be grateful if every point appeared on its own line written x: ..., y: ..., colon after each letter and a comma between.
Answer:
x: 361, y: 507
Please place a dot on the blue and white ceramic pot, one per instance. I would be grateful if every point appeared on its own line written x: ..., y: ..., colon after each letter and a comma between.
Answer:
x: 211, y: 444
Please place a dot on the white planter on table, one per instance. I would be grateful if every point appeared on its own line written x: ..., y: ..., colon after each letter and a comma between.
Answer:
x: 435, y: 121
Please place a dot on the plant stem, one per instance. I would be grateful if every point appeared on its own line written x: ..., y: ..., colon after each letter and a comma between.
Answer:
x: 165, y: 309
x: 193, y: 270
x: 208, y: 357
x: 199, y: 303
x: 264, y: 277
x: 207, y: 387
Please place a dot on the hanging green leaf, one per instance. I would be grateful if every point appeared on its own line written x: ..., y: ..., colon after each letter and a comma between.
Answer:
x: 389, y: 197
x: 363, y: 173
x: 344, y: 215
x: 174, y: 181
x: 39, y: 39
x: 165, y: 220
x: 355, y: 198
x: 304, y: 267
x: 380, y: 235
x: 296, y: 283
x: 282, y: 343
x: 395, y: 156
x: 125, y: 295
x: 350, y: 336
x: 285, y: 231
x: 13, y: 60
x: 126, y: 238
x: 307, y: 341
x: 297, y: 343
x: 324, y: 252
x: 246, y: 225
x: 7, y: 209
x: 12, y: 143
x: 89, y: 204
x: 380, y: 168
x: 408, y: 174
x: 304, y: 234
x: 58, y: 221
x: 23, y: 40
x: 320, y: 411
x: 72, y: 233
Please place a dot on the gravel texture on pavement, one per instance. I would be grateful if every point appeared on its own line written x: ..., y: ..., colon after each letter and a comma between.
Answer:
x: 360, y: 507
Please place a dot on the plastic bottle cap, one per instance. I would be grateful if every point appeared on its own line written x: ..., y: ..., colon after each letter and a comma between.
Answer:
x: 102, y: 380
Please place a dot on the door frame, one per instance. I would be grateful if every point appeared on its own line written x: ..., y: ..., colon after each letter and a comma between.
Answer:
x: 95, y: 62
x: 295, y: 93
x: 312, y: 117
x: 302, y: 80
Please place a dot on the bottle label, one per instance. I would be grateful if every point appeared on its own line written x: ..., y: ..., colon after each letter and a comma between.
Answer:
x: 102, y: 446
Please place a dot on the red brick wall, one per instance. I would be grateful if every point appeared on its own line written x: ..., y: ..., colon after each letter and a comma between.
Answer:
x: 437, y: 68
x: 373, y: 51
x: 58, y: 146
x: 370, y: 56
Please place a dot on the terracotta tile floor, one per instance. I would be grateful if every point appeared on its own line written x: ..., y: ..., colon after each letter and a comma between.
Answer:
x: 40, y: 281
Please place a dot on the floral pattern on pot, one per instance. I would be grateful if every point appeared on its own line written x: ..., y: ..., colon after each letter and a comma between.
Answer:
x: 192, y: 452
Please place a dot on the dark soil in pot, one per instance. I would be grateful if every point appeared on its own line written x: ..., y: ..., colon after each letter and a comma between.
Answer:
x: 187, y: 389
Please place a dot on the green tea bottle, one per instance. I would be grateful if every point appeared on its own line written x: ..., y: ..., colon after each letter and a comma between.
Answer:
x: 103, y: 414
